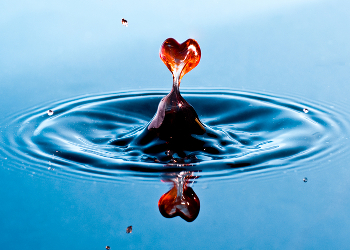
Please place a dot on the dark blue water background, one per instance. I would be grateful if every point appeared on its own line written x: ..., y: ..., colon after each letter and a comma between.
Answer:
x: 292, y: 55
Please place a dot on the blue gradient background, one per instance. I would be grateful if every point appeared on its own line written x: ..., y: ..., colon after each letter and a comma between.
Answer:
x: 54, y: 50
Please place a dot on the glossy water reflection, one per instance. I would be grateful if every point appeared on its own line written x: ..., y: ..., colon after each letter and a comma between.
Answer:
x: 180, y: 200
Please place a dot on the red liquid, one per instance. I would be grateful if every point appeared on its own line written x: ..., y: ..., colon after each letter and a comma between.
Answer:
x: 181, y: 201
x: 180, y: 58
x: 176, y: 119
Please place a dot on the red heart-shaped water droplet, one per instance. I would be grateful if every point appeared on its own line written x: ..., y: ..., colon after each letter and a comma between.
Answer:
x: 180, y: 58
x: 186, y: 205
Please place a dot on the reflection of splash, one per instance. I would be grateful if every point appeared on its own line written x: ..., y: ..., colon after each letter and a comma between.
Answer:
x: 180, y: 200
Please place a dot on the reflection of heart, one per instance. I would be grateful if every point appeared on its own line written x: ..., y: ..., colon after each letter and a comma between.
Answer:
x: 187, y: 207
x: 180, y: 58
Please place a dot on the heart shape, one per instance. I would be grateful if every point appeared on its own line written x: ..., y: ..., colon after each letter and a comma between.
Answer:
x: 180, y: 58
x: 186, y: 205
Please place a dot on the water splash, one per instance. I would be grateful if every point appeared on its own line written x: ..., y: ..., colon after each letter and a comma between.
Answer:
x: 98, y: 136
x: 176, y: 119
x: 111, y: 136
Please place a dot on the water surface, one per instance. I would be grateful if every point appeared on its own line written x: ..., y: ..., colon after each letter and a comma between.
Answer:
x: 57, y: 52
x: 101, y: 136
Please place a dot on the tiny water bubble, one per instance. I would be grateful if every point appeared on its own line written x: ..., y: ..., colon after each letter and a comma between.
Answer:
x: 305, y: 179
x: 306, y: 110
x: 125, y: 22
x: 50, y: 112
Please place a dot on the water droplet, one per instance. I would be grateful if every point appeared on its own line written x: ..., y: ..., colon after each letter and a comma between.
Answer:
x: 108, y: 247
x: 305, y: 179
x: 180, y: 58
x: 124, y: 22
x: 129, y: 229
x: 50, y: 112
x: 306, y: 110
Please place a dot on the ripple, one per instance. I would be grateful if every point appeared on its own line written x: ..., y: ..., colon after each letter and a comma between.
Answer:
x: 98, y: 136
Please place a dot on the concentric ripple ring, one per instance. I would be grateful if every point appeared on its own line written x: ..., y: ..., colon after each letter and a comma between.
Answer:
x: 259, y: 133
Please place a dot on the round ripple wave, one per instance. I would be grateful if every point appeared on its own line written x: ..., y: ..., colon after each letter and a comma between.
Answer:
x: 266, y: 134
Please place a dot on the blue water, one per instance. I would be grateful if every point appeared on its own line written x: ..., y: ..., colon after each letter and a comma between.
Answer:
x: 58, y: 52
x: 107, y: 136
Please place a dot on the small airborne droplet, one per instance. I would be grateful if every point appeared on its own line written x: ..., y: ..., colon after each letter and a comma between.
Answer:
x: 50, y: 112
x: 305, y: 179
x: 107, y: 247
x: 129, y: 229
x: 306, y: 111
x: 124, y: 22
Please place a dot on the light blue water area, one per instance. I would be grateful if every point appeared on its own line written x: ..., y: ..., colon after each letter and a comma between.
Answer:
x: 53, y: 51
